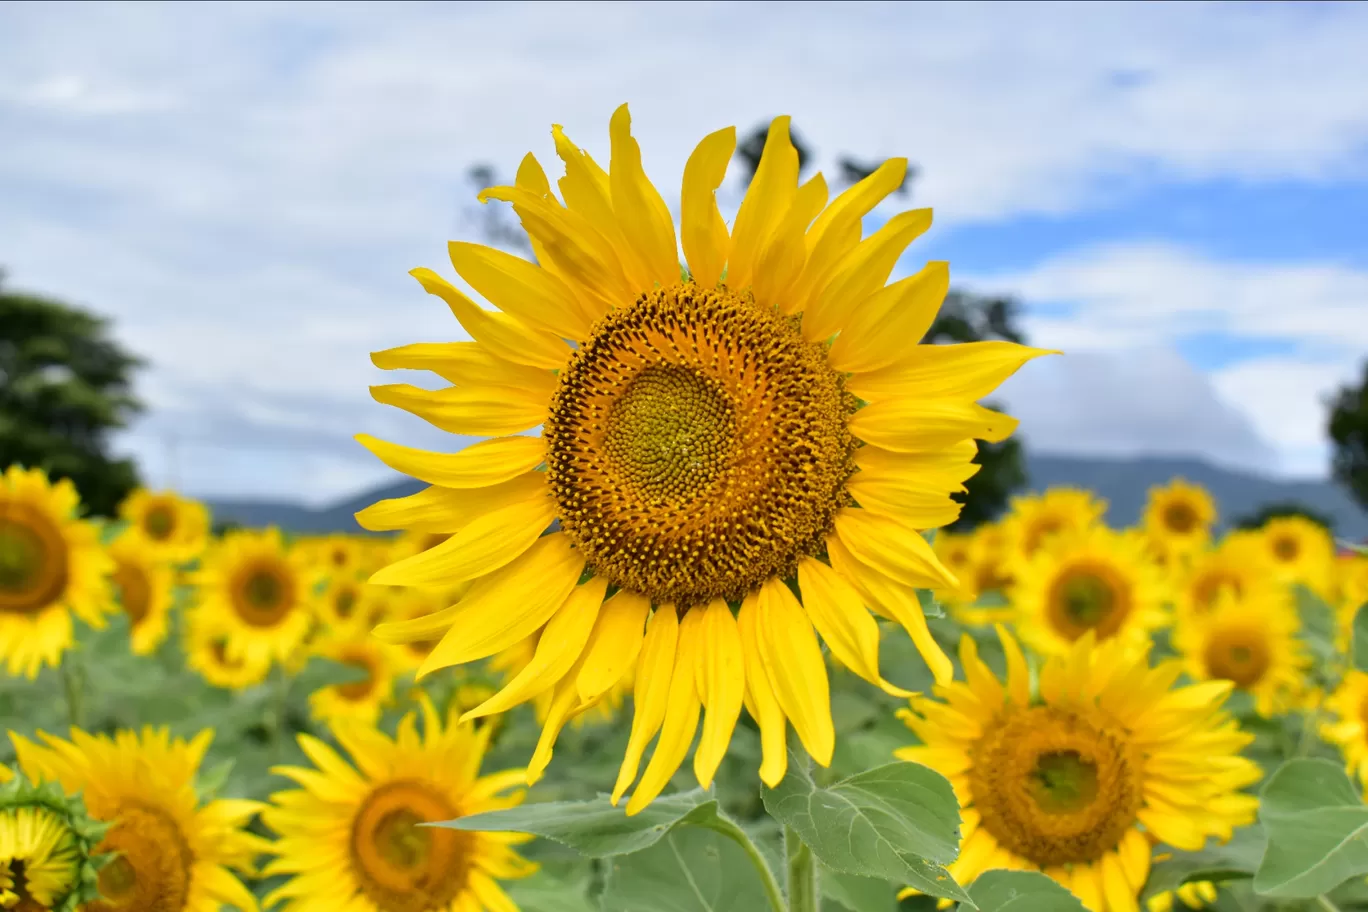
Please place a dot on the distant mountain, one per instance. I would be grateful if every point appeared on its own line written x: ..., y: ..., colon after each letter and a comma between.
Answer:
x: 1123, y: 482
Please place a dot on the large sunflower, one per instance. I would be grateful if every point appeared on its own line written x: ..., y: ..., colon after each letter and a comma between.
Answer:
x: 145, y: 587
x: 1097, y: 581
x: 259, y: 592
x: 1079, y: 780
x: 350, y: 838
x: 175, y: 528
x: 1035, y: 519
x: 707, y: 439
x: 1178, y: 518
x: 1251, y: 642
x: 51, y: 566
x: 173, y: 852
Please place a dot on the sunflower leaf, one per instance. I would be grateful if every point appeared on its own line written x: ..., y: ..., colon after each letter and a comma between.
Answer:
x: 688, y: 870
x: 1361, y: 638
x: 1236, y: 860
x: 898, y: 822
x: 1021, y: 891
x: 855, y: 893
x: 1317, y: 830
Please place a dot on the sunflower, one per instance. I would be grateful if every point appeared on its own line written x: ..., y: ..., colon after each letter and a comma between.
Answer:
x: 1299, y: 551
x: 1251, y: 642
x: 1350, y: 578
x: 708, y: 437
x: 348, y: 603
x: 145, y: 587
x: 1080, y: 780
x: 173, y: 852
x: 1348, y: 728
x: 1236, y: 568
x: 337, y: 554
x: 175, y: 528
x: 363, y: 698
x: 1095, y: 580
x: 47, y: 848
x: 956, y: 552
x: 51, y: 566
x: 514, y: 660
x: 1178, y: 517
x: 259, y: 592
x: 206, y: 651
x: 975, y: 561
x: 349, y: 838
x: 1036, y: 519
x: 1196, y: 894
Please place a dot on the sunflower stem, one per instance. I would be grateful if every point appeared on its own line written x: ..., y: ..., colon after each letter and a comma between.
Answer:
x: 802, y: 874
x: 73, y: 689
x: 733, y: 832
x: 1326, y: 904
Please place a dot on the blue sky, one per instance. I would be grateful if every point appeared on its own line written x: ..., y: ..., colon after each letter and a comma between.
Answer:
x: 1176, y: 192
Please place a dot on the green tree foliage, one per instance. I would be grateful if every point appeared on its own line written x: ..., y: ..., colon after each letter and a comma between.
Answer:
x: 1269, y: 511
x: 1348, y: 428
x: 64, y: 385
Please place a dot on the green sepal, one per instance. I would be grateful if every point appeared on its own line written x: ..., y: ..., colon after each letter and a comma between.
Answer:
x: 71, y: 811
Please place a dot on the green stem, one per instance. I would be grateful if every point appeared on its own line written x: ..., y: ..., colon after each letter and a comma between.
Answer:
x: 73, y: 688
x: 802, y: 874
x: 739, y: 836
x: 1326, y: 904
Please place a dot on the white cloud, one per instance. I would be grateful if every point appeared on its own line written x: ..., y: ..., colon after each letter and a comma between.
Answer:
x: 243, y: 186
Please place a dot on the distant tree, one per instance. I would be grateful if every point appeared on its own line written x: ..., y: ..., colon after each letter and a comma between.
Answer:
x: 1256, y: 519
x: 1348, y: 429
x: 494, y: 220
x: 64, y: 385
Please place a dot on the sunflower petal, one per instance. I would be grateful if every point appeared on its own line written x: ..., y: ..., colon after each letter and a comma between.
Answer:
x: 892, y: 548
x: 781, y: 262
x: 889, y: 321
x: 652, y: 691
x: 484, y: 463
x: 643, y: 215
x: 703, y: 231
x: 474, y: 411
x: 839, y: 615
x: 968, y: 371
x: 466, y: 364
x: 793, y: 661
x: 515, y: 286
x: 681, y: 717
x: 767, y: 199
x: 614, y: 644
x: 761, y: 702
x: 439, y: 509
x: 721, y: 686
x: 501, y: 333
x: 909, y: 425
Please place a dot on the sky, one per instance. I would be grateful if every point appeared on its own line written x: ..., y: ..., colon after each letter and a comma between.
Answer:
x: 1176, y: 194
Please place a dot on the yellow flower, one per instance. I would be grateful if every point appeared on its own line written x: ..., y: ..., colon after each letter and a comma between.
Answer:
x: 362, y: 699
x: 1197, y: 894
x: 47, y: 845
x: 175, y: 528
x: 1299, y: 551
x: 145, y: 587
x: 1178, y: 517
x: 1350, y: 583
x: 1079, y: 780
x: 206, y: 651
x: 705, y: 442
x: 1237, y: 568
x: 259, y: 593
x: 348, y: 603
x: 1348, y: 727
x: 1034, y: 520
x: 1092, y: 581
x: 51, y: 566
x: 1251, y: 642
x: 174, y: 853
x: 956, y: 552
x: 350, y: 839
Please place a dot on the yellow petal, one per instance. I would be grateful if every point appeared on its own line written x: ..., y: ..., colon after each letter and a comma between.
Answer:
x: 890, y: 321
x: 509, y: 604
x: 767, y: 199
x: 474, y: 411
x: 419, y: 628
x: 484, y: 463
x: 859, y: 200
x: 721, y: 686
x: 586, y: 191
x: 643, y: 215
x: 894, y: 549
x: 703, y: 231
x: 561, y: 708
x: 614, y: 644
x: 504, y: 335
x: 558, y: 648
x: 862, y: 272
x: 839, y: 615
x: 651, y: 693
x: 532, y: 176
x: 438, y: 509
x: 940, y: 470
x: 520, y: 288
x: 760, y: 699
x: 912, y: 507
x: 466, y: 364
x: 968, y: 371
x: 783, y: 253
x: 793, y: 662
x: 1018, y: 675
x: 681, y: 717
x: 909, y: 425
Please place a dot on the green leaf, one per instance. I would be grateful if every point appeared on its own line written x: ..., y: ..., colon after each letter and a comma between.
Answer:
x: 323, y: 672
x: 1317, y: 830
x: 544, y: 892
x: 1318, y: 624
x: 688, y: 870
x: 1021, y: 891
x: 855, y: 893
x: 898, y: 822
x: 596, y: 828
x: 1361, y: 638
x: 1236, y: 860
x: 929, y: 606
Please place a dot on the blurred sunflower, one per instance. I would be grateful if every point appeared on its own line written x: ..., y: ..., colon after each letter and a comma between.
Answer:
x: 48, y: 861
x: 347, y: 603
x: 705, y: 440
x: 956, y: 552
x: 1251, y: 642
x: 1079, y: 781
x: 1350, y: 578
x: 363, y: 698
x: 1035, y: 519
x: 1299, y: 551
x: 258, y: 592
x: 1348, y: 728
x: 1178, y: 517
x: 1096, y: 581
x: 145, y: 586
x: 51, y: 566
x: 174, y: 528
x: 350, y: 838
x: 1196, y: 894
x: 338, y: 554
x: 173, y: 853
x: 206, y: 651
x: 1236, y: 567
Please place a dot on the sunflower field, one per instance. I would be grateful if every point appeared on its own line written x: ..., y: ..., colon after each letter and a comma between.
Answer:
x: 696, y: 645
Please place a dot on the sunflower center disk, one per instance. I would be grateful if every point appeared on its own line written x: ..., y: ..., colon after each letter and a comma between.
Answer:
x: 697, y: 446
x: 1286, y: 549
x: 1053, y: 787
x: 359, y: 689
x: 404, y: 867
x: 264, y: 596
x: 135, y: 591
x: 1238, y: 655
x: 1087, y: 598
x: 152, y: 870
x: 1180, y: 518
x: 159, y: 522
x: 33, y: 560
